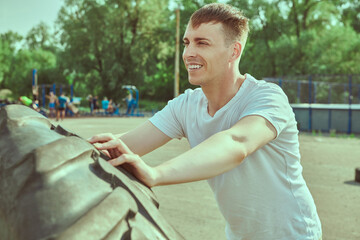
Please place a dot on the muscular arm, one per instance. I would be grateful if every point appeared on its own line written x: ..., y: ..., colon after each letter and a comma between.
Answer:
x: 218, y: 154
x: 144, y: 138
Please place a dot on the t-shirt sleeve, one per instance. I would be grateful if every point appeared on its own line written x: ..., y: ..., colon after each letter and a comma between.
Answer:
x: 272, y: 104
x: 168, y: 120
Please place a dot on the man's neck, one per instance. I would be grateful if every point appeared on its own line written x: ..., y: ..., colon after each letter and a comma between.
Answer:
x: 219, y: 95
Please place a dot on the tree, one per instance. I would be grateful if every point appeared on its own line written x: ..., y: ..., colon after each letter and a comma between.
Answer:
x: 24, y: 61
x: 101, y: 45
x: 40, y: 37
x: 112, y: 43
x: 8, y: 42
x: 350, y: 13
x: 286, y: 34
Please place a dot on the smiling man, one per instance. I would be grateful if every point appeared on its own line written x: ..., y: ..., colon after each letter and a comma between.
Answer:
x: 242, y: 134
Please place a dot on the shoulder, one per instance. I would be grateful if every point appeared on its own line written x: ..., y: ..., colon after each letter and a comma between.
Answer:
x: 269, y: 101
x: 193, y: 93
x: 263, y: 89
x: 189, y: 95
x: 261, y: 84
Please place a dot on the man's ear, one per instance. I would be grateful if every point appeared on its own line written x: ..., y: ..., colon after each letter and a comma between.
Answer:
x: 237, y: 48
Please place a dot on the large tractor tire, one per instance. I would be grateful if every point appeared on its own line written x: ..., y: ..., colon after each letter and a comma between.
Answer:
x: 55, y: 185
x: 357, y: 175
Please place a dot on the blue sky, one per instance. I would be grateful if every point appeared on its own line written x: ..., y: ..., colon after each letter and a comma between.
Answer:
x: 21, y: 15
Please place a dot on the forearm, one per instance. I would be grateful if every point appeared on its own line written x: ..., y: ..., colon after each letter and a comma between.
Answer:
x: 212, y: 157
x: 144, y: 138
x: 216, y: 155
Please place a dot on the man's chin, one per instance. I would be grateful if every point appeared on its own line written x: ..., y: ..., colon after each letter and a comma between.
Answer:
x: 194, y: 81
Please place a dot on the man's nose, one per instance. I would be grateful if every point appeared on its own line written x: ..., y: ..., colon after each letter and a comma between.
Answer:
x: 189, y: 51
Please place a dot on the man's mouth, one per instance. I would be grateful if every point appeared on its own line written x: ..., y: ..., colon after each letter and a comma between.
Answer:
x: 194, y: 66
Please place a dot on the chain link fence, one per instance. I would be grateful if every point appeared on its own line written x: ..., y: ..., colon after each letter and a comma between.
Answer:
x: 324, y: 103
x: 339, y: 89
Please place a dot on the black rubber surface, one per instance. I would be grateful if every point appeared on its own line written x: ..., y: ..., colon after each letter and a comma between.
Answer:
x: 357, y: 175
x: 55, y: 185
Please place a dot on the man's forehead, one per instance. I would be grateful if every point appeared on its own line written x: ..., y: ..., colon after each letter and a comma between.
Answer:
x: 205, y: 30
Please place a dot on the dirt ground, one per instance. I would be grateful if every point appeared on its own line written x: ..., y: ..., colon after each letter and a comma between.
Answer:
x: 329, y: 170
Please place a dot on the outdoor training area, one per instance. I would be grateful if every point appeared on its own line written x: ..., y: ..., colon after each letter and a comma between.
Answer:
x: 328, y: 167
x: 180, y: 119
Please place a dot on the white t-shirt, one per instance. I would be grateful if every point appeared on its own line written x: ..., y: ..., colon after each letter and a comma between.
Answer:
x: 265, y: 197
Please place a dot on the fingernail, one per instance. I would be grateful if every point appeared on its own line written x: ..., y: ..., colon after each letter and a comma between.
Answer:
x: 97, y: 145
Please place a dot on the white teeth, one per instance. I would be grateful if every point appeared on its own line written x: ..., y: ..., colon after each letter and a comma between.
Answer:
x: 195, y: 66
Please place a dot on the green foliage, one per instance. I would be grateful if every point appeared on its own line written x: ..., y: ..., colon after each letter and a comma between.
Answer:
x: 293, y: 37
x: 101, y: 45
x: 39, y: 37
x: 159, y: 86
x: 7, y: 54
x: 332, y: 132
x: 150, y: 105
x: 38, y: 52
x: 112, y: 43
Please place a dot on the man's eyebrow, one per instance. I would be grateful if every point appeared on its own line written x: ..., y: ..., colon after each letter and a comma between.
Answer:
x: 197, y: 39
x: 201, y: 39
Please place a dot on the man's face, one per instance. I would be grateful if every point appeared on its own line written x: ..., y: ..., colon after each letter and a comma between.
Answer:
x: 206, y: 55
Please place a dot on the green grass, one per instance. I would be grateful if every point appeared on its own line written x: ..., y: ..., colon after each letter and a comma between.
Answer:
x: 332, y: 133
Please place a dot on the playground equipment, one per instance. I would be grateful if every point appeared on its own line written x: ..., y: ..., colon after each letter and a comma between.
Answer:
x: 52, y: 87
x: 131, y: 102
x: 26, y: 101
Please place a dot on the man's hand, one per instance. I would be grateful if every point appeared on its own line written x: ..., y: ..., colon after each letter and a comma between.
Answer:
x: 120, y: 154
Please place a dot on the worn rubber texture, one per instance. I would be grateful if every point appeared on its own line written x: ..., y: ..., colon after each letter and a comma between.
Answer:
x: 357, y: 175
x: 55, y: 185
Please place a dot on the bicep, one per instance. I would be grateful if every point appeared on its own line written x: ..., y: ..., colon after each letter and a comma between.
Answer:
x: 144, y: 138
x: 253, y: 132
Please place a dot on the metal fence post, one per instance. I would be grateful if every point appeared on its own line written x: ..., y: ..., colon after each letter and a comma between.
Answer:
x: 330, y: 111
x: 43, y: 96
x: 310, y: 101
x: 350, y: 95
x: 299, y: 90
x: 71, y: 92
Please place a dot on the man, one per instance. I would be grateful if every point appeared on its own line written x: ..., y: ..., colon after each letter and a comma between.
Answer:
x: 242, y: 134
x: 105, y: 105
x: 95, y: 104
x: 63, y: 101
x: 52, y: 104
x: 90, y: 101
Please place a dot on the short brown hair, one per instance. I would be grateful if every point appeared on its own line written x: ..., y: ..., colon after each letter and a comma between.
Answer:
x: 235, y: 24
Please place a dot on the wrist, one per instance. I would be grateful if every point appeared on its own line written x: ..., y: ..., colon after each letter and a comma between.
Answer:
x: 156, y: 177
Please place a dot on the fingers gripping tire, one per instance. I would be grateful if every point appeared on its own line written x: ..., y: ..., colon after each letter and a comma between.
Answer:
x: 53, y: 184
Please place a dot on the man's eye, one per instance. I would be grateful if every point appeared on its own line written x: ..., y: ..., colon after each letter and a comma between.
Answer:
x: 203, y: 43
